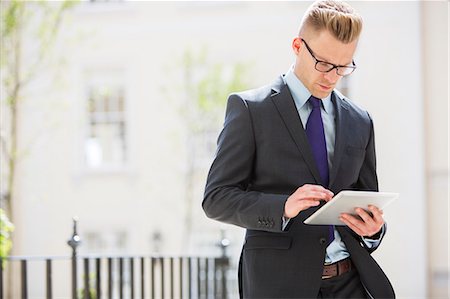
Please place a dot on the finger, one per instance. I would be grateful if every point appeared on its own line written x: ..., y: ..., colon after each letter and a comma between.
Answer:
x: 294, y: 206
x: 313, y: 186
x: 309, y: 202
x: 365, y: 216
x: 377, y: 214
x: 329, y: 196
x: 319, y: 188
x: 306, y: 204
x: 315, y: 195
x: 368, y: 227
x: 352, y: 219
x: 374, y: 209
x: 326, y: 194
x: 353, y: 227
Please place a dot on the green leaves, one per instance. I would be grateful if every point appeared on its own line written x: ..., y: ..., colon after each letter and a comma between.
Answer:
x: 28, y: 30
x: 11, y: 16
x: 207, y: 86
x: 6, y: 228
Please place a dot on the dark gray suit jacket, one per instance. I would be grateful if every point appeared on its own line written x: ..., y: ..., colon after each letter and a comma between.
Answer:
x: 263, y: 156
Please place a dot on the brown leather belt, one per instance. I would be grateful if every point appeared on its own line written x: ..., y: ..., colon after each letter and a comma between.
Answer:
x: 336, y: 269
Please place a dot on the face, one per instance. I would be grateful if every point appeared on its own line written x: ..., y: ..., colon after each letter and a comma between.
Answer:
x: 326, y: 48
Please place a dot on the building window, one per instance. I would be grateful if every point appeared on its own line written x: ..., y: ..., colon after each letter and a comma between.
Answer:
x: 105, y: 143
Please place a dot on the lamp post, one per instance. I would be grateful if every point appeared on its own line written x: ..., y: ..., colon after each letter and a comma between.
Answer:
x: 224, y: 263
x: 74, y: 242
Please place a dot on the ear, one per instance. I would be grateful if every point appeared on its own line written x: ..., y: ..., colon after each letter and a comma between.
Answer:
x: 296, y: 45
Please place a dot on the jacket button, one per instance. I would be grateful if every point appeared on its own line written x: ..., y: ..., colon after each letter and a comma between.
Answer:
x: 322, y: 241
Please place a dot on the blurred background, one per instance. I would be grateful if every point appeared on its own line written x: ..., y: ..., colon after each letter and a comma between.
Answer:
x: 110, y: 111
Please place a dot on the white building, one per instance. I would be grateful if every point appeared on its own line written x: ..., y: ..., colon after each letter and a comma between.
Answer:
x: 104, y: 139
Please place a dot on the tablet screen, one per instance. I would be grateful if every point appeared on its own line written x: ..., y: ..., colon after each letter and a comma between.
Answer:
x: 346, y: 202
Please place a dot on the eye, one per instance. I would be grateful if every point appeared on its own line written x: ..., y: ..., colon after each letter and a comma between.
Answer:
x: 323, y: 66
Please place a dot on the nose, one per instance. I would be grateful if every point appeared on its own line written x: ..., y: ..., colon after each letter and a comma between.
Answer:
x: 332, y: 76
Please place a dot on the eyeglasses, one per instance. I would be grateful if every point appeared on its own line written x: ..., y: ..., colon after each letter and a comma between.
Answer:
x: 325, y: 67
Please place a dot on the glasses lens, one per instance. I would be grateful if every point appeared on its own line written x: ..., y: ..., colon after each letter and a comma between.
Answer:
x: 323, y: 66
x: 344, y: 71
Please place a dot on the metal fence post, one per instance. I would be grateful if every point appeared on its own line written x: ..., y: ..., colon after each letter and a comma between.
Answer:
x: 1, y: 278
x: 74, y: 242
x: 224, y: 262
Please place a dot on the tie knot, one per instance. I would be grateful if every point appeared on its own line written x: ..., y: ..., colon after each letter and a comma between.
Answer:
x: 315, y: 102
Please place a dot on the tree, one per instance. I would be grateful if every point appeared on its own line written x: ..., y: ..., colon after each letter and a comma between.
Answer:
x: 20, y: 21
x: 5, y: 237
x: 204, y: 90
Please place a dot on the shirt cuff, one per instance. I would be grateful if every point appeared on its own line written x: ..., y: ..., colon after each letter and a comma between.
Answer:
x: 372, y: 243
x: 284, y: 223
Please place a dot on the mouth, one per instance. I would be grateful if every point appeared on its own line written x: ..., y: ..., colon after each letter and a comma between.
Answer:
x: 325, y: 87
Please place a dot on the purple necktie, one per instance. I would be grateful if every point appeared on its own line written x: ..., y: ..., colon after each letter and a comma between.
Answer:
x: 316, y: 138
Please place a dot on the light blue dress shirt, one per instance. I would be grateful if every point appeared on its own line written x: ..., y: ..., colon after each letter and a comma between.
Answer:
x: 336, y: 251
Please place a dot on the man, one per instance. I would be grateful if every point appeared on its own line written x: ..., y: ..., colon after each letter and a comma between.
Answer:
x: 284, y: 151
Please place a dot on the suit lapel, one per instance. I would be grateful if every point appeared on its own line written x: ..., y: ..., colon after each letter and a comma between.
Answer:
x: 342, y: 124
x: 285, y: 105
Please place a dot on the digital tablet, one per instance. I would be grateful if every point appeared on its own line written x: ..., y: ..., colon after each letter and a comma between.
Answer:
x: 346, y: 202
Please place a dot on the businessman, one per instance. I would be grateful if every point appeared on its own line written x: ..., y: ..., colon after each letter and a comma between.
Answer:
x: 284, y: 151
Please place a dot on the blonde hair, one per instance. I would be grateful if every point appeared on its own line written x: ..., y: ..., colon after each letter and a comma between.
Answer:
x: 337, y: 17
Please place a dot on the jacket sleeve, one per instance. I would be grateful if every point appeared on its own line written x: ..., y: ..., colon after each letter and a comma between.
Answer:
x: 368, y: 180
x: 228, y: 196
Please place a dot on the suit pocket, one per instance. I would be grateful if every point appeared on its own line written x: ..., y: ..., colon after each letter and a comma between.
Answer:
x: 355, y: 151
x: 267, y: 242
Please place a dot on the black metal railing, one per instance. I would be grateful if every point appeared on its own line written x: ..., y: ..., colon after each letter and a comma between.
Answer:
x: 132, y: 276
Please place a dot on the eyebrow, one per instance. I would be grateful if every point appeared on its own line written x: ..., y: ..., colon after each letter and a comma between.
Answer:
x: 327, y: 61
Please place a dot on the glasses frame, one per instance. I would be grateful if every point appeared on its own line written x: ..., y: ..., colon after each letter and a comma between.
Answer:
x: 332, y: 65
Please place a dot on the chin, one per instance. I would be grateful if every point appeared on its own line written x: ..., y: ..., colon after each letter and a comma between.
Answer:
x: 322, y: 94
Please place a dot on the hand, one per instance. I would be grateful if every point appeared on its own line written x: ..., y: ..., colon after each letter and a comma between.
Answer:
x: 305, y: 197
x: 367, y: 225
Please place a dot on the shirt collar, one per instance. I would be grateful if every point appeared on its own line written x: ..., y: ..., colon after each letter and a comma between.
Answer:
x: 301, y: 94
